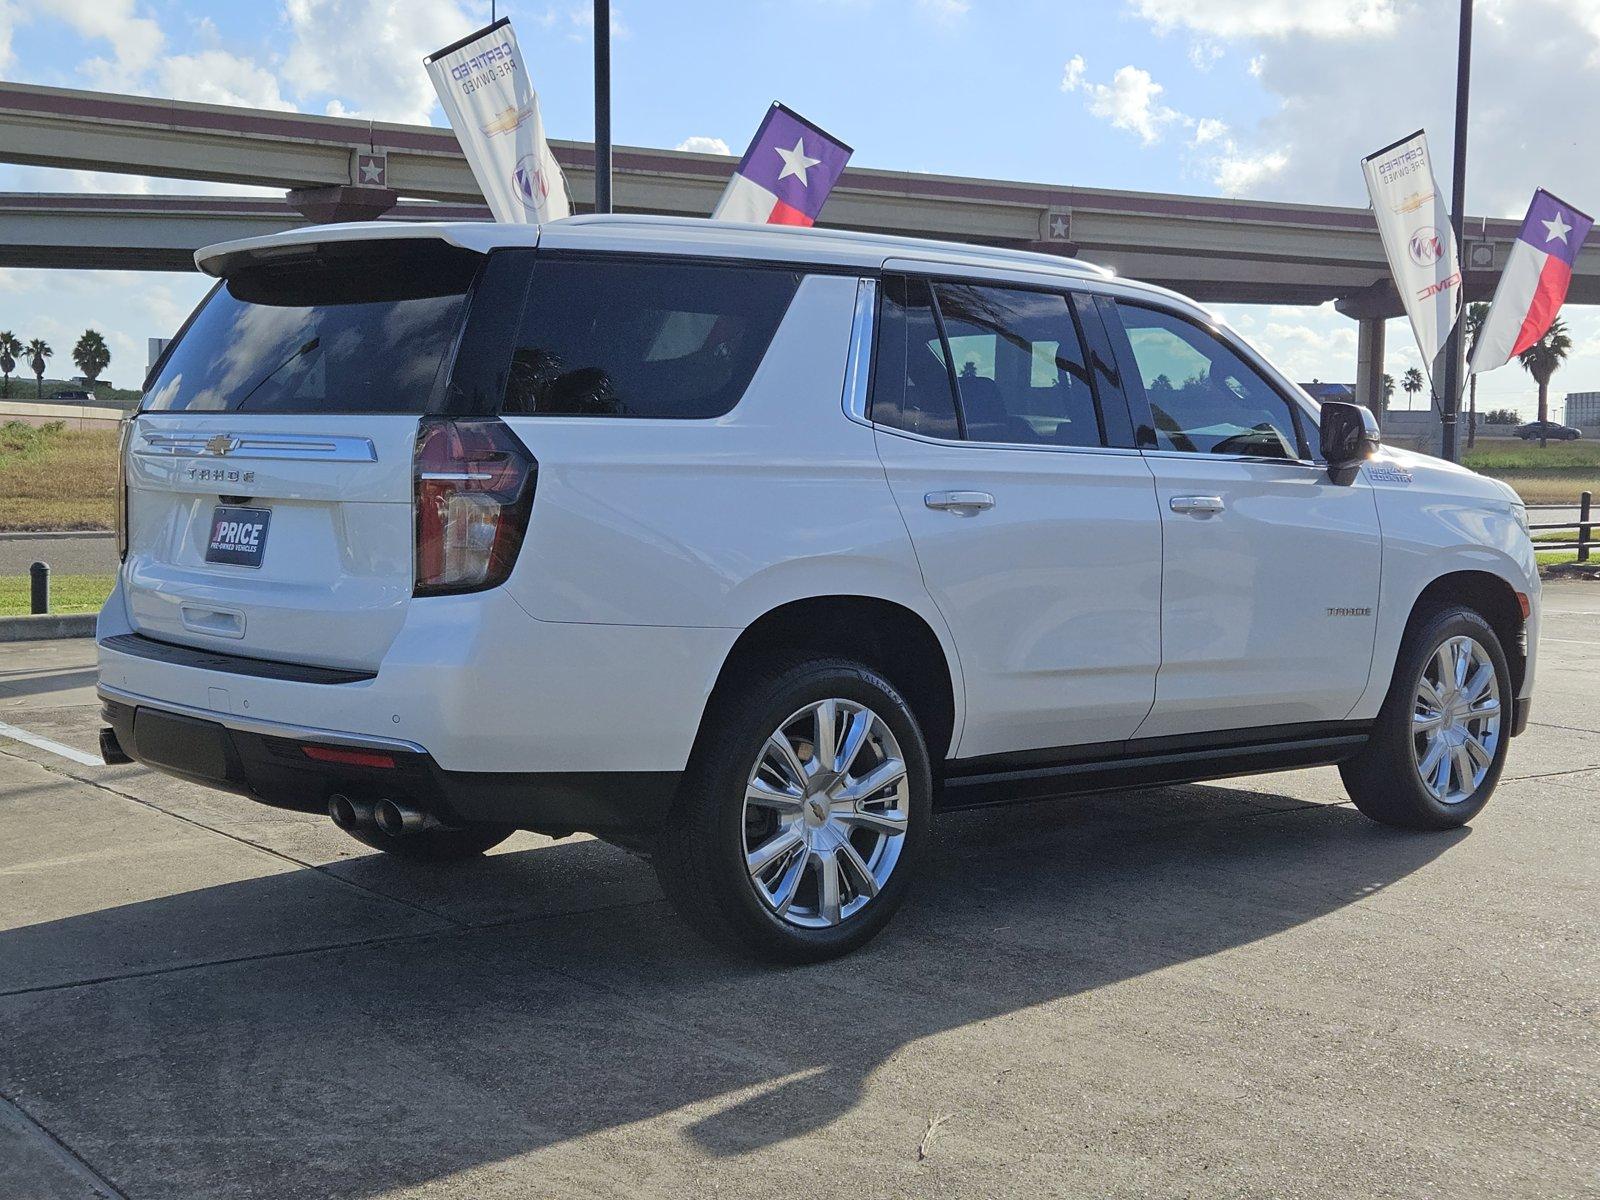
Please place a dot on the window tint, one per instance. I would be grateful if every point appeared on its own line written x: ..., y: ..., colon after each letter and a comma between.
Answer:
x: 911, y: 376
x: 1203, y: 397
x: 348, y: 328
x: 624, y: 337
x: 1019, y: 366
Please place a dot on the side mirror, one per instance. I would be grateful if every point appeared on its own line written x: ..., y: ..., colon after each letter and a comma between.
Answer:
x: 1349, y: 437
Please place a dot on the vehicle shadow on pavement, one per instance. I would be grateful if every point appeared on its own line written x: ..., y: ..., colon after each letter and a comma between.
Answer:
x: 357, y: 1070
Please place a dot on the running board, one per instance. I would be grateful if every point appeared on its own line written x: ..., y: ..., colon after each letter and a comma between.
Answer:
x: 1153, y: 762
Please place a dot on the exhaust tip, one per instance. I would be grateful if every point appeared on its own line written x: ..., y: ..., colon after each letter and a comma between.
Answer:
x: 397, y: 819
x: 390, y: 817
x: 349, y: 814
x: 111, y: 751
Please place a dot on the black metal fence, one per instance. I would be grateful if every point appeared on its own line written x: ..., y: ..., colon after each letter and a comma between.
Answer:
x: 1583, y: 526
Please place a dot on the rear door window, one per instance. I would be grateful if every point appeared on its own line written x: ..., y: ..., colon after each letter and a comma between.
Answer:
x: 347, y: 328
x: 634, y: 337
x: 1019, y: 364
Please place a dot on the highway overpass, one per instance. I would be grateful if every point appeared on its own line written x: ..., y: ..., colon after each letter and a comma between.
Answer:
x: 1217, y: 250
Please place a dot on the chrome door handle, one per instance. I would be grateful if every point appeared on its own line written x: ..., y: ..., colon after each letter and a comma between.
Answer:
x: 958, y: 500
x: 1196, y: 504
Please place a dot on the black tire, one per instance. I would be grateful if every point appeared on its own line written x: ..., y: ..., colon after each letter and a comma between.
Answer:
x: 1383, y: 780
x: 700, y: 855
x: 436, y: 845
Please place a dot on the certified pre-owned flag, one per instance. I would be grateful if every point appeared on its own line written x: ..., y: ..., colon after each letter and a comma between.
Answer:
x: 494, y: 110
x: 1415, y: 227
x: 786, y: 174
x: 1534, y: 283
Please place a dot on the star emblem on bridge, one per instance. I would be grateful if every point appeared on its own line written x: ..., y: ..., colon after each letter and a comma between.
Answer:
x: 372, y: 170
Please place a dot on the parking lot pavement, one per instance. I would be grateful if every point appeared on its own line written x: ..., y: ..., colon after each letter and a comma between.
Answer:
x: 1224, y: 990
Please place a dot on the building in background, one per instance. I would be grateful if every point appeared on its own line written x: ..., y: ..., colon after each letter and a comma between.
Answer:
x: 1320, y: 391
x: 1583, y: 410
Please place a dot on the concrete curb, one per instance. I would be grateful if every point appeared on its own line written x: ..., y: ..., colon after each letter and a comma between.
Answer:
x: 50, y: 625
x: 32, y: 535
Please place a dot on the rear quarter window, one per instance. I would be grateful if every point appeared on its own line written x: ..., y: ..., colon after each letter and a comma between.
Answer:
x: 612, y: 336
x: 348, y: 328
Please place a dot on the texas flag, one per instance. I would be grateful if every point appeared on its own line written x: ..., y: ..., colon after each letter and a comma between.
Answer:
x: 1534, y: 284
x: 786, y: 174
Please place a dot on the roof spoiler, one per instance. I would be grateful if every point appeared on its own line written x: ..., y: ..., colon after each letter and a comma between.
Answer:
x: 224, y: 258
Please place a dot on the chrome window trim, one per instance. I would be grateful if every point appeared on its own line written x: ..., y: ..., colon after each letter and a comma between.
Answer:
x: 1201, y: 456
x: 283, y: 729
x: 284, y: 446
x: 858, y: 366
x: 1043, y: 447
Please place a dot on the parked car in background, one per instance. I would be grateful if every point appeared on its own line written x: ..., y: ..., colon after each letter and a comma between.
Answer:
x: 1553, y: 430
x: 72, y: 394
x: 750, y: 548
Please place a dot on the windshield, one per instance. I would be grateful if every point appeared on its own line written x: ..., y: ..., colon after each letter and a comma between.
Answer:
x: 348, y: 328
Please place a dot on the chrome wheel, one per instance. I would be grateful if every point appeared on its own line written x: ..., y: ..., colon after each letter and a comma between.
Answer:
x: 826, y: 808
x: 1455, y: 721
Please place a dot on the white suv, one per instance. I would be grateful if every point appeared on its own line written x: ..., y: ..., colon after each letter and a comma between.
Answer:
x: 753, y: 549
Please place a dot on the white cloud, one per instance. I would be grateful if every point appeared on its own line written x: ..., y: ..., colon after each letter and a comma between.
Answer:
x: 1271, y: 18
x: 703, y: 145
x: 1238, y: 174
x: 1131, y: 101
x: 1203, y: 54
x: 10, y: 18
x: 1208, y: 129
x: 1334, y: 99
x: 381, y: 78
x: 217, y: 77
x: 135, y: 40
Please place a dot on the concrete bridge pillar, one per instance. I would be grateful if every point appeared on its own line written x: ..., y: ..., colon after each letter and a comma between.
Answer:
x: 1369, y: 363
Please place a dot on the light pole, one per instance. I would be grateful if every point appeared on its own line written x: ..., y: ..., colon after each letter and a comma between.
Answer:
x: 1451, y: 400
x: 602, y: 106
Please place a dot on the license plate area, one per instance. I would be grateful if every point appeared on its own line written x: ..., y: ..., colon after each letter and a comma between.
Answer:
x: 238, y: 536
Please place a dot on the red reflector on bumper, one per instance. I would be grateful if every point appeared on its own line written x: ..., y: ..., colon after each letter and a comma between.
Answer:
x: 350, y: 758
x: 1522, y: 602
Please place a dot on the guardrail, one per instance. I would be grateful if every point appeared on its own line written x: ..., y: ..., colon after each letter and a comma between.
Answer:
x: 1583, y: 525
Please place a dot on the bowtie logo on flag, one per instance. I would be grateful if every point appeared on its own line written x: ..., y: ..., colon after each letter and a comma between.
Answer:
x: 785, y: 175
x: 1534, y: 284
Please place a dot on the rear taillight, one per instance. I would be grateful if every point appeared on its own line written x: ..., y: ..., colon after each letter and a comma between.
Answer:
x: 124, y: 435
x: 474, y: 489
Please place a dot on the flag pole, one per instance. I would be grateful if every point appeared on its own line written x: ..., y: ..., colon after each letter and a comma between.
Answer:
x: 602, y: 106
x: 1451, y: 401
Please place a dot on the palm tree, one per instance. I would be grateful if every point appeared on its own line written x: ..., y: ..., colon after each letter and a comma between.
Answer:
x: 92, y: 355
x: 1412, y: 382
x: 1541, y: 360
x: 1388, y: 395
x: 1477, y: 314
x: 38, y: 351
x: 9, y: 349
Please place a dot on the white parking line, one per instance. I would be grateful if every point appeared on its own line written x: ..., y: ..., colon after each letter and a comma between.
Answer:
x: 44, y: 743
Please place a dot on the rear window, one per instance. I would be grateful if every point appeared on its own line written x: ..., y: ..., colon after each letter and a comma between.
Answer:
x: 353, y: 328
x: 621, y: 337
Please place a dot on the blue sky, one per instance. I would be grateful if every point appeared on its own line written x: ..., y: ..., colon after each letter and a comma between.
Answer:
x: 1269, y: 98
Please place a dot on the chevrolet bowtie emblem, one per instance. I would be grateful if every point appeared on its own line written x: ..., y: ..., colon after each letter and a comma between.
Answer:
x: 222, y: 444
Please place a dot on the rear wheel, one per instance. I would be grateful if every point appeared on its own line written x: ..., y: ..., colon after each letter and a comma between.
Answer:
x: 435, y: 845
x: 804, y: 813
x: 1440, y: 740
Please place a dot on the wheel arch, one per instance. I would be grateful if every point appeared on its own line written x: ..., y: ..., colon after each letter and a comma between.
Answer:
x: 1493, y: 598
x: 885, y: 634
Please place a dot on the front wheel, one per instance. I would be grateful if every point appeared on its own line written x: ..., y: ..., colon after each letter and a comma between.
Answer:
x: 803, y: 815
x: 1440, y: 741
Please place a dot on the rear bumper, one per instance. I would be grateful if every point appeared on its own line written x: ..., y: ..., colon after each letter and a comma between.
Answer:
x: 267, y: 761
